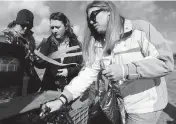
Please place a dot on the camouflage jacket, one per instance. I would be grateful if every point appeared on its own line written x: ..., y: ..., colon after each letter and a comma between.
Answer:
x: 27, y: 41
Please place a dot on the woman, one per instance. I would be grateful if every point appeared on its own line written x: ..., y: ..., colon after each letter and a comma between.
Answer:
x: 131, y: 60
x: 19, y: 32
x: 62, y: 37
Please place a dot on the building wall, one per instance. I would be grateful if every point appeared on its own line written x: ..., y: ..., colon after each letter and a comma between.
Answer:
x: 2, y: 38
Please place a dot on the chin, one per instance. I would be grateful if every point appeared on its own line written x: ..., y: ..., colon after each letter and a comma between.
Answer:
x: 58, y: 37
x: 101, y: 31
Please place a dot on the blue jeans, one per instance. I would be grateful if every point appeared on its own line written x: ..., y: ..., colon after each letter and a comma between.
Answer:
x: 146, y: 118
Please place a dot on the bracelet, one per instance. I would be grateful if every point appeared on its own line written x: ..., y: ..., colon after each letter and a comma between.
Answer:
x: 61, y: 101
x: 64, y: 98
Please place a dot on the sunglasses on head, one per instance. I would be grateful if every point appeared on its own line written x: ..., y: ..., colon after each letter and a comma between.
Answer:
x: 94, y: 14
x: 52, y: 27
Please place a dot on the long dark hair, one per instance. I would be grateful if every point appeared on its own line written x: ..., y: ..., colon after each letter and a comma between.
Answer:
x: 69, y: 31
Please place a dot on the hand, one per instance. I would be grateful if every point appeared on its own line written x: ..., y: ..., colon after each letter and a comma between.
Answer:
x: 53, y: 105
x: 62, y: 72
x: 113, y: 72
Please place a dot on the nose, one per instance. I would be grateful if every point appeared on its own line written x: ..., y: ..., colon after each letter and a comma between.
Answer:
x: 91, y: 22
x: 53, y: 30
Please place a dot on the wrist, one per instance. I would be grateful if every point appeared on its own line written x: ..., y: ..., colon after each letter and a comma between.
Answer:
x: 63, y: 99
x: 132, y: 72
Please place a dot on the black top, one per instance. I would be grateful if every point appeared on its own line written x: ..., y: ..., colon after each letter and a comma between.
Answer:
x: 50, y: 80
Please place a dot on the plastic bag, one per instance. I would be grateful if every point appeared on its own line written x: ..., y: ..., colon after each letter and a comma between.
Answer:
x: 111, y: 101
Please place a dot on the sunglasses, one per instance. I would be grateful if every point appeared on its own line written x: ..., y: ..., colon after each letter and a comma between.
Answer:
x: 94, y: 14
x: 52, y: 27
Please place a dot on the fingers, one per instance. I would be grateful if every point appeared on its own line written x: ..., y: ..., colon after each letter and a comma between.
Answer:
x: 60, y: 72
x: 54, y: 105
x: 107, y: 73
x: 45, y: 110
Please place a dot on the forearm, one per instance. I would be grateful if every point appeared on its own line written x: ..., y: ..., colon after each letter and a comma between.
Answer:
x: 148, y: 68
x: 80, y: 83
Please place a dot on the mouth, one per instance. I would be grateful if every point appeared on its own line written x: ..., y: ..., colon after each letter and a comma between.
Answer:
x: 96, y: 26
x: 56, y: 35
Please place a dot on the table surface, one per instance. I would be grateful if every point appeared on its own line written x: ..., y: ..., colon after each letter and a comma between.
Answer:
x: 25, y: 103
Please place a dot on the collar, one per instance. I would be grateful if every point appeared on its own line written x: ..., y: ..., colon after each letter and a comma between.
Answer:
x: 127, y: 31
x: 127, y: 26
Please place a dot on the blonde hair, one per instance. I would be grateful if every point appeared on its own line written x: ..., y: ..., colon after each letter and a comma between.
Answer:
x: 112, y: 35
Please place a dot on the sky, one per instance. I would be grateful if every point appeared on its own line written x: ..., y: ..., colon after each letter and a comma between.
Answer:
x: 162, y: 14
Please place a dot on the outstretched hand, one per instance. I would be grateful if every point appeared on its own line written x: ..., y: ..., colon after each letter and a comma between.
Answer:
x: 50, y: 107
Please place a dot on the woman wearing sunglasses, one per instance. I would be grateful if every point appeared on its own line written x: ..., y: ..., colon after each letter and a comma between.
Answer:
x: 62, y: 37
x: 135, y: 60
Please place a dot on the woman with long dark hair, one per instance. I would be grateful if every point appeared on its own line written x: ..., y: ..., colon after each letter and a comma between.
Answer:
x: 62, y: 37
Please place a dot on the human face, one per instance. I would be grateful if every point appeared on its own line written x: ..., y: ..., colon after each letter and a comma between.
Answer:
x: 21, y: 29
x: 57, y: 28
x: 99, y: 19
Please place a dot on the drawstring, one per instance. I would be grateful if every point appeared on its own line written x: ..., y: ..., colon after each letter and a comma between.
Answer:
x: 121, y: 65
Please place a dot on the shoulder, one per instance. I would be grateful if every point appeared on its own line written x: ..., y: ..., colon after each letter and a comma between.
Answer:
x: 140, y: 22
x: 137, y: 32
x: 141, y: 25
x: 7, y: 35
x: 74, y: 42
x: 45, y: 41
x: 138, y: 35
